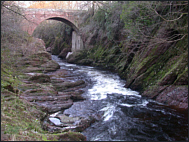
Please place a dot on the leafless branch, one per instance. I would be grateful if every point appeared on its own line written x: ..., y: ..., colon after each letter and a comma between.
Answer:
x: 101, y: 8
x: 161, y: 39
x: 166, y: 19
x: 18, y: 13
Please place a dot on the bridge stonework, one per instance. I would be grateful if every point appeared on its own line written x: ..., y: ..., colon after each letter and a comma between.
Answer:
x: 69, y: 17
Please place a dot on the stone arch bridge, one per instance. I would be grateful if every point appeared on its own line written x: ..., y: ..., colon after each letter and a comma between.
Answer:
x: 70, y: 17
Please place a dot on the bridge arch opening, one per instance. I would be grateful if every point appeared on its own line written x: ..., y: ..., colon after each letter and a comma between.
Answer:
x: 69, y: 23
x: 66, y: 22
x: 76, y: 42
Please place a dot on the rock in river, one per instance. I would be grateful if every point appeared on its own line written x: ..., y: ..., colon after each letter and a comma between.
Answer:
x: 67, y: 84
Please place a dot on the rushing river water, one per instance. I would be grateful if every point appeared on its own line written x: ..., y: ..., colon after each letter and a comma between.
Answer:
x: 126, y: 115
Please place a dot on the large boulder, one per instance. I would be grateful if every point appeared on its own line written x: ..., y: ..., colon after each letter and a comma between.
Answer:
x: 33, y: 46
x: 39, y: 62
x: 43, y: 54
x: 64, y: 123
x: 71, y: 57
x: 75, y: 57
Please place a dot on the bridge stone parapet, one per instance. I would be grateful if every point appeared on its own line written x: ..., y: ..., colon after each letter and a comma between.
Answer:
x: 70, y: 17
x: 36, y: 16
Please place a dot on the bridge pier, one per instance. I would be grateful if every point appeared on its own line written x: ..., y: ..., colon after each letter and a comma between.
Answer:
x: 77, y: 42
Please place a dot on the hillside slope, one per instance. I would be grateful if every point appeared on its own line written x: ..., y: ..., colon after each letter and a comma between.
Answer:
x: 153, y: 58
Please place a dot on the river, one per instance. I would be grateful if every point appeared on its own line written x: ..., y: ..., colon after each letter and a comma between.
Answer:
x: 126, y: 115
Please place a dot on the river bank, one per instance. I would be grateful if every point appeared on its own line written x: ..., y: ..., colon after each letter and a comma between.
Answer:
x: 29, y: 97
x: 73, y: 102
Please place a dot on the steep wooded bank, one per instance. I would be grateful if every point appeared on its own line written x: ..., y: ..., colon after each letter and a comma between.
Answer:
x: 146, y: 43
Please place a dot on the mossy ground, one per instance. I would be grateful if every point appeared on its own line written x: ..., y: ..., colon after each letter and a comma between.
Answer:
x: 18, y: 119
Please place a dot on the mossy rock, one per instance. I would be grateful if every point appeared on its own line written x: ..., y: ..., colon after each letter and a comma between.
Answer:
x: 72, y: 136
x: 76, y: 56
x: 41, y: 54
x: 85, y: 61
x: 49, y: 66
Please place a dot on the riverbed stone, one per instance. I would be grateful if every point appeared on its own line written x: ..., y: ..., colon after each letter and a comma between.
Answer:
x: 54, y: 106
x: 42, y: 68
x: 73, y: 123
x: 55, y: 121
x: 46, y: 98
x: 174, y: 96
x: 56, y: 80
x: 46, y: 91
x: 66, y: 85
x: 60, y: 73
x: 49, y: 66
x: 67, y: 119
x: 77, y: 95
x: 39, y: 62
x: 40, y: 78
